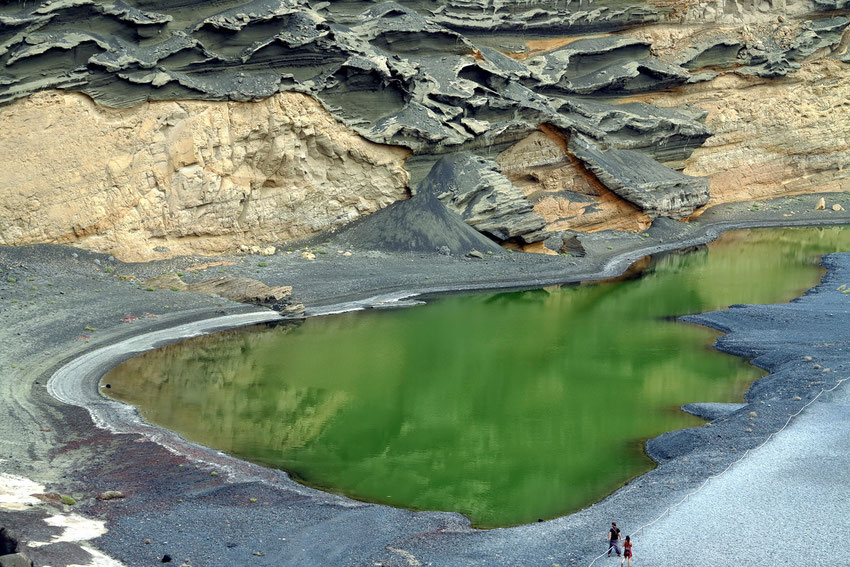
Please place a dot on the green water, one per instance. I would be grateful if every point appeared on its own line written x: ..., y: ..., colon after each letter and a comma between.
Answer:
x: 505, y: 407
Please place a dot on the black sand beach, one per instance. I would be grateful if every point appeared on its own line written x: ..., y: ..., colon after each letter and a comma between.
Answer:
x: 60, y: 303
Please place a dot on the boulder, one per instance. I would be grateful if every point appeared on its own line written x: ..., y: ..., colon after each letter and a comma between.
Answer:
x: 242, y: 290
x: 110, y: 495
x: 566, y: 242
x: 487, y: 200
x: 15, y: 560
x: 639, y: 179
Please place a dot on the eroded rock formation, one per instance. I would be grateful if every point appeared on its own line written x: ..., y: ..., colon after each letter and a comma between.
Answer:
x: 487, y: 200
x: 242, y: 290
x: 771, y: 136
x: 184, y: 177
x: 600, y: 117
x: 655, y: 189
x: 563, y: 192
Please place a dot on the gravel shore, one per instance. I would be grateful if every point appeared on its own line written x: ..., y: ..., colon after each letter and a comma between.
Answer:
x: 60, y: 304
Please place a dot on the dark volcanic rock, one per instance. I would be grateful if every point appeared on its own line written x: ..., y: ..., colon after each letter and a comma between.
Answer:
x: 419, y: 224
x: 625, y: 77
x: 431, y: 76
x: 605, y: 64
x: 486, y: 199
x: 15, y: 560
x: 8, y: 542
x: 548, y: 17
x: 566, y: 242
x: 656, y: 189
x: 768, y: 65
x: 395, y: 72
x: 663, y: 133
x: 719, y: 52
x: 821, y: 34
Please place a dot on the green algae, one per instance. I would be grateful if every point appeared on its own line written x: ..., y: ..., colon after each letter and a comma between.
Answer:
x: 505, y: 407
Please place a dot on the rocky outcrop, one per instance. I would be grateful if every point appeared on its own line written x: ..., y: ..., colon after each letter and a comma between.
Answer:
x: 563, y: 191
x: 657, y: 190
x: 487, y: 200
x: 775, y: 53
x: 242, y: 290
x: 528, y: 16
x: 609, y: 65
x: 437, y: 78
x: 771, y: 138
x: 398, y: 73
x: 736, y: 12
x: 184, y: 177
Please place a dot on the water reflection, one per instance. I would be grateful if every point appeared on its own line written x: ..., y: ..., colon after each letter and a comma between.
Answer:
x: 506, y: 407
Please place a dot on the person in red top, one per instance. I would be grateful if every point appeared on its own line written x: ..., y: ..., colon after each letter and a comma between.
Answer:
x: 627, y: 552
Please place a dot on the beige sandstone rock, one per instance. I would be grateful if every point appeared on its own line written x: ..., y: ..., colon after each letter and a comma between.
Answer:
x: 564, y: 193
x: 110, y: 495
x: 184, y: 177
x: 732, y: 11
x: 772, y: 137
x: 820, y: 205
x: 244, y: 290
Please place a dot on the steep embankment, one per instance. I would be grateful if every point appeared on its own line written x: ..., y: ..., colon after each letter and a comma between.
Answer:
x: 176, y: 178
x: 774, y: 133
x: 773, y: 137
x: 579, y: 119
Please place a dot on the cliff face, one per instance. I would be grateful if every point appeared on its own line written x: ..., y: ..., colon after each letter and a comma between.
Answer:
x: 772, y: 137
x: 169, y: 178
x: 576, y: 118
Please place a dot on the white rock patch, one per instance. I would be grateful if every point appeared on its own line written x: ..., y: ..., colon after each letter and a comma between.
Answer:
x: 16, y: 492
x: 99, y: 560
x: 76, y: 527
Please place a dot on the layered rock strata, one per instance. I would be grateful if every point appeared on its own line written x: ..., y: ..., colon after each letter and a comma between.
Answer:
x: 655, y: 189
x: 562, y: 190
x: 398, y: 74
x: 772, y: 136
x: 170, y: 178
x: 439, y: 78
x: 487, y: 200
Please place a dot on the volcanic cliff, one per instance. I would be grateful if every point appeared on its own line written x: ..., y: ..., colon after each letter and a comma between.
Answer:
x: 150, y: 128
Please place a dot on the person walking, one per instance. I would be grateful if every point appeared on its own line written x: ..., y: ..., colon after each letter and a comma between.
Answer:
x: 614, y: 539
x: 627, y: 552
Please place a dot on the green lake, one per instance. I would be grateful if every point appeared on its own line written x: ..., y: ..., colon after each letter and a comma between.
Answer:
x: 506, y: 407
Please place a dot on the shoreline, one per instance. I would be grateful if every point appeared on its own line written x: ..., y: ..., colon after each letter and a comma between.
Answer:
x: 563, y: 539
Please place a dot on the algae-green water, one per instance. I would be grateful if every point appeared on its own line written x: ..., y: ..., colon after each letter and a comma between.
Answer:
x: 506, y: 407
